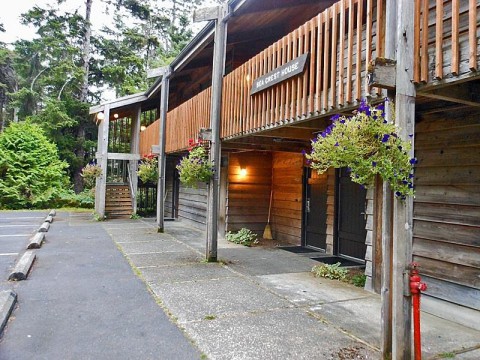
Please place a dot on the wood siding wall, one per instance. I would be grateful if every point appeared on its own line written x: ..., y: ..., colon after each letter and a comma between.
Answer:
x: 446, y: 229
x: 446, y: 39
x: 287, y: 197
x: 149, y: 137
x: 331, y: 209
x: 192, y: 205
x: 249, y: 196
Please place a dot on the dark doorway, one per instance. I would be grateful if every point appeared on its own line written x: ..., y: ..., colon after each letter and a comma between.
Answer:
x: 315, y: 209
x: 351, y: 217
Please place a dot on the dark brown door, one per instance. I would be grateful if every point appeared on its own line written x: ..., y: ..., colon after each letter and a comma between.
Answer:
x: 315, y: 209
x: 351, y: 217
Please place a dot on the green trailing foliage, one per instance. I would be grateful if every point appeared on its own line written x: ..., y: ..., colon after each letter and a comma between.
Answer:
x: 90, y: 173
x: 366, y: 144
x: 148, y: 169
x: 195, y: 167
x: 243, y: 237
x: 31, y: 174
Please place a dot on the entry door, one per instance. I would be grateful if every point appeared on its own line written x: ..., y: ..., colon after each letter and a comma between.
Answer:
x: 315, y: 209
x: 351, y: 217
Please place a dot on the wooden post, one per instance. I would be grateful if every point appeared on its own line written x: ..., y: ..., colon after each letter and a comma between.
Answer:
x: 220, y: 15
x: 386, y: 293
x: 134, y: 149
x: 403, y: 209
x: 102, y: 161
x: 166, y: 71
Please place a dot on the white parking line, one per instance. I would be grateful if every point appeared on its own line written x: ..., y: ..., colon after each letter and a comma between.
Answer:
x: 9, y: 254
x: 2, y: 226
x: 24, y: 217
x: 17, y: 235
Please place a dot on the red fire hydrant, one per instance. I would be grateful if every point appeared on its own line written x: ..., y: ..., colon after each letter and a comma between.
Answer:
x: 416, y: 287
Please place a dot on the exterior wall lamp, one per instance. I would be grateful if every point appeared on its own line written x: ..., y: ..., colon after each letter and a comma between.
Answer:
x: 243, y: 171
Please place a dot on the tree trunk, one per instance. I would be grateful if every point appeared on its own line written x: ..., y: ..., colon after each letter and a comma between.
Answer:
x: 77, y: 179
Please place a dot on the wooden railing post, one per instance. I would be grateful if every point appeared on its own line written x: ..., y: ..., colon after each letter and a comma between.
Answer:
x: 102, y: 161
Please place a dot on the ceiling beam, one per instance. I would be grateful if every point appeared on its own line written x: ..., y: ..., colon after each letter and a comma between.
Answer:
x: 466, y: 94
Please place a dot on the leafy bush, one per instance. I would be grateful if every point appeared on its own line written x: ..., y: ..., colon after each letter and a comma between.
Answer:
x: 358, y: 280
x: 148, y: 169
x: 89, y: 174
x: 334, y: 271
x: 366, y: 144
x: 31, y: 174
x: 195, y: 166
x: 243, y: 237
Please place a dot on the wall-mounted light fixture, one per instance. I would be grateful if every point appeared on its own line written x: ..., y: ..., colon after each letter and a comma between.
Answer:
x: 243, y: 171
x: 143, y: 128
x: 115, y: 116
x: 100, y: 116
x: 247, y: 77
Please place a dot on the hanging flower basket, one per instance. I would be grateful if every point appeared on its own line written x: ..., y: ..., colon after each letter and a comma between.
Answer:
x: 195, y: 167
x: 366, y: 144
x: 148, y: 169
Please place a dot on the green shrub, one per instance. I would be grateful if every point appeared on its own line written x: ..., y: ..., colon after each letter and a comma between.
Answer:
x: 359, y: 280
x: 243, y: 237
x: 195, y: 167
x: 31, y: 173
x: 334, y: 271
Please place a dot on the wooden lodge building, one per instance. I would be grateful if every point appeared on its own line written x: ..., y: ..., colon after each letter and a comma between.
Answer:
x: 332, y: 52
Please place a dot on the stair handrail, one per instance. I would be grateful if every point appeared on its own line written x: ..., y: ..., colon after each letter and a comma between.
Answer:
x: 130, y: 182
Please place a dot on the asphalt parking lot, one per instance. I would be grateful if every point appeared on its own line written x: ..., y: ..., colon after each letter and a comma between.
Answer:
x: 16, y: 228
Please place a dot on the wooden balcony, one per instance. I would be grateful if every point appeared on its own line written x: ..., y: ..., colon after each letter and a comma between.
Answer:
x: 340, y: 42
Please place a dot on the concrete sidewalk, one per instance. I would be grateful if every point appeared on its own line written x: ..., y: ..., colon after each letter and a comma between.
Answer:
x: 263, y: 302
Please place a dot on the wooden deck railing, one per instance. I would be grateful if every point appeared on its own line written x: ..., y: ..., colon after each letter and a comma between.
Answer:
x: 340, y: 42
x: 446, y: 39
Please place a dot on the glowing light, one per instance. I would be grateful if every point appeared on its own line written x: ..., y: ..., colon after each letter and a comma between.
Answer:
x: 143, y: 128
x: 115, y: 116
x: 243, y: 172
x: 247, y: 77
x: 100, y: 116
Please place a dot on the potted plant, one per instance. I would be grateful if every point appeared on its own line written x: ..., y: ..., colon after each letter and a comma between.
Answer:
x: 195, y: 166
x: 148, y: 169
x: 90, y: 173
x: 366, y: 144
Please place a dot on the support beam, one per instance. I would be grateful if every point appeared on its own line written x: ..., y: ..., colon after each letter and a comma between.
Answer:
x: 215, y: 115
x: 403, y: 209
x: 466, y: 94
x: 102, y: 161
x: 166, y: 72
x: 134, y: 150
x: 387, y: 198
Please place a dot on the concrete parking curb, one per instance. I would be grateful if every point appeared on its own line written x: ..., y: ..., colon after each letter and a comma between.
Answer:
x: 45, y: 226
x: 8, y: 300
x: 22, y: 267
x: 49, y: 219
x: 52, y: 212
x: 36, y: 241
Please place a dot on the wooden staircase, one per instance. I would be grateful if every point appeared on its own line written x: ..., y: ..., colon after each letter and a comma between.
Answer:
x: 118, y: 202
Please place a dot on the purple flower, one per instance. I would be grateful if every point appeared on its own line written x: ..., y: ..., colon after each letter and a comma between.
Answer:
x: 385, y: 138
x: 398, y: 193
x: 363, y: 106
x: 304, y: 152
x: 335, y: 117
x: 410, y: 176
x: 342, y: 121
x: 413, y: 161
x: 314, y: 140
x: 374, y: 163
x: 336, y: 144
x: 410, y: 135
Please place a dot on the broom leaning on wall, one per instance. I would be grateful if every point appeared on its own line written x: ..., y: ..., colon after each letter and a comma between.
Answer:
x: 267, y: 233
